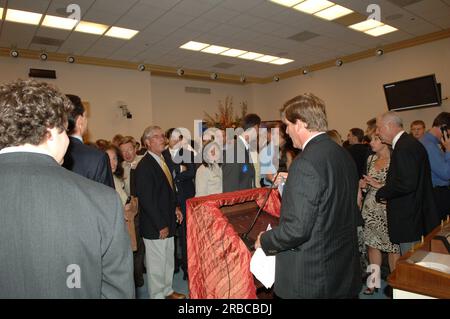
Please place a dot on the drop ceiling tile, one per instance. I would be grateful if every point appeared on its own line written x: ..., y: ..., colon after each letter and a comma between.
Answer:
x: 195, y: 7
x: 17, y: 34
x: 267, y: 9
x: 40, y: 47
x: 225, y: 30
x: 201, y: 24
x: 220, y: 14
x: 39, y: 6
x: 240, y: 5
x: 163, y: 4
x: 59, y: 8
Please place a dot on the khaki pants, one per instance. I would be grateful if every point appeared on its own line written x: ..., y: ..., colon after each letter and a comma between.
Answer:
x: 159, y: 260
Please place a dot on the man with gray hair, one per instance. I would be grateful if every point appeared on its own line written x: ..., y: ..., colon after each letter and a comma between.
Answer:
x: 411, y: 210
x: 158, y: 214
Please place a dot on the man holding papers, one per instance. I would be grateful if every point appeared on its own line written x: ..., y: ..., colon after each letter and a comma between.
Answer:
x: 315, y: 244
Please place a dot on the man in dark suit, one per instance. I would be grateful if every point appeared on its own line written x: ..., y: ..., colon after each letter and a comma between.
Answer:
x: 181, y: 164
x: 158, y: 214
x: 61, y: 235
x: 315, y: 243
x: 238, y: 170
x: 80, y: 158
x: 411, y: 211
x: 358, y: 150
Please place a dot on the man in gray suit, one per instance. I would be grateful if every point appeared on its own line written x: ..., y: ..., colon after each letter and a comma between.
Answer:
x: 61, y: 235
x: 316, y: 245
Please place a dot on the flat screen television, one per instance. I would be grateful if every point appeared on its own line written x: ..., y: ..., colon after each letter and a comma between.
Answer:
x: 413, y: 93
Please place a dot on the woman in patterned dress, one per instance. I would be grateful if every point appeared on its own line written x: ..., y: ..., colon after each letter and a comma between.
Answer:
x: 375, y: 232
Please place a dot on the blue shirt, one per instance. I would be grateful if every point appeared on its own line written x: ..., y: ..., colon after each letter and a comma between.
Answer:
x: 439, y: 161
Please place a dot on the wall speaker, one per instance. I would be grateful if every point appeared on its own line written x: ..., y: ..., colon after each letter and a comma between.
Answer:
x: 39, y: 73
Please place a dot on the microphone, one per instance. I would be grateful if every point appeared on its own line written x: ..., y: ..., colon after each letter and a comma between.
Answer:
x: 244, y: 236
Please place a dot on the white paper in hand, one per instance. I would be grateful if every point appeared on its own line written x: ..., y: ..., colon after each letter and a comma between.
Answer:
x: 263, y: 267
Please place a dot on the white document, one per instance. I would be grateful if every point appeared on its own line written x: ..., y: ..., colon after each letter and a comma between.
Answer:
x: 435, y: 261
x: 263, y: 267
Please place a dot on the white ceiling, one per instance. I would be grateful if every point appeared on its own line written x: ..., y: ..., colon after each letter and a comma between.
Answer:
x: 252, y: 25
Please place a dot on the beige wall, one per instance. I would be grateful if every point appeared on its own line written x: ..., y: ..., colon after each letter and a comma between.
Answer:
x: 173, y: 107
x: 354, y: 92
x: 102, y: 87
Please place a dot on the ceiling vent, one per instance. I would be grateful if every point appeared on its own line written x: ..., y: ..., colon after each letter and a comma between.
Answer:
x: 196, y: 90
x: 303, y: 36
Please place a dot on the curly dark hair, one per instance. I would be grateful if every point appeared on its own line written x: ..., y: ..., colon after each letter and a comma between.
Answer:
x: 27, y: 109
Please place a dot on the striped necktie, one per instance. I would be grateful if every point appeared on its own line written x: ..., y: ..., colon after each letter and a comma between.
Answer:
x: 166, y: 171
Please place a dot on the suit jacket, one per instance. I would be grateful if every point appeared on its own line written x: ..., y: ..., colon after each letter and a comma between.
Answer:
x: 157, y: 200
x: 316, y: 243
x: 53, y: 221
x: 184, y: 181
x: 360, y: 153
x: 89, y: 162
x: 237, y: 170
x: 411, y: 211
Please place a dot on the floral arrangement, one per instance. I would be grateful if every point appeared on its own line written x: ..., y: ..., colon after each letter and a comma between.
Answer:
x: 226, y: 117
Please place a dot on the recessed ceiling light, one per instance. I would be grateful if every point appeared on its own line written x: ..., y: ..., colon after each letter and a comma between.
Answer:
x: 121, y: 33
x: 90, y: 27
x: 281, y: 61
x: 267, y: 58
x: 250, y: 56
x: 366, y: 25
x: 233, y: 53
x: 23, y: 17
x: 333, y: 12
x: 215, y: 49
x: 381, y: 30
x: 58, y: 22
x: 313, y: 6
x: 194, y: 46
x: 287, y: 3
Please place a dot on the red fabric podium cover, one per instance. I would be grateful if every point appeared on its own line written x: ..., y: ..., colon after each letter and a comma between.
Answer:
x: 218, y: 260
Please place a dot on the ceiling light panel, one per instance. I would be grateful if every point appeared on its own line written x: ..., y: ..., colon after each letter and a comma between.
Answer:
x: 267, y: 58
x: 287, y: 3
x: 333, y: 12
x: 58, y: 22
x: 23, y: 17
x: 313, y: 6
x: 233, y: 53
x: 215, y: 49
x: 194, y: 46
x: 385, y: 29
x: 121, y: 33
x: 250, y: 56
x: 281, y: 61
x: 366, y: 25
x: 90, y: 27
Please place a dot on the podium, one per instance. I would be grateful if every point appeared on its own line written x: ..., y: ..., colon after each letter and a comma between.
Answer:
x: 417, y: 276
x: 218, y: 259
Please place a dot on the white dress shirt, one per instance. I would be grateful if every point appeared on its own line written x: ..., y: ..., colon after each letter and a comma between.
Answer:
x: 396, y: 138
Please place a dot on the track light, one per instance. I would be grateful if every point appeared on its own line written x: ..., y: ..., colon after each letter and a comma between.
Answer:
x: 213, y: 76
x: 43, y: 56
x: 242, y: 79
x: 379, y: 52
x: 141, y: 67
x: 70, y: 59
x: 305, y: 71
x: 276, y: 78
x: 14, y: 53
x: 339, y: 63
x: 180, y: 72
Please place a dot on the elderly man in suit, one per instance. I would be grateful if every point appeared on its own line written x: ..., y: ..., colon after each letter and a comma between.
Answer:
x: 315, y: 243
x: 158, y: 215
x: 84, y: 159
x: 61, y: 235
x: 411, y: 210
